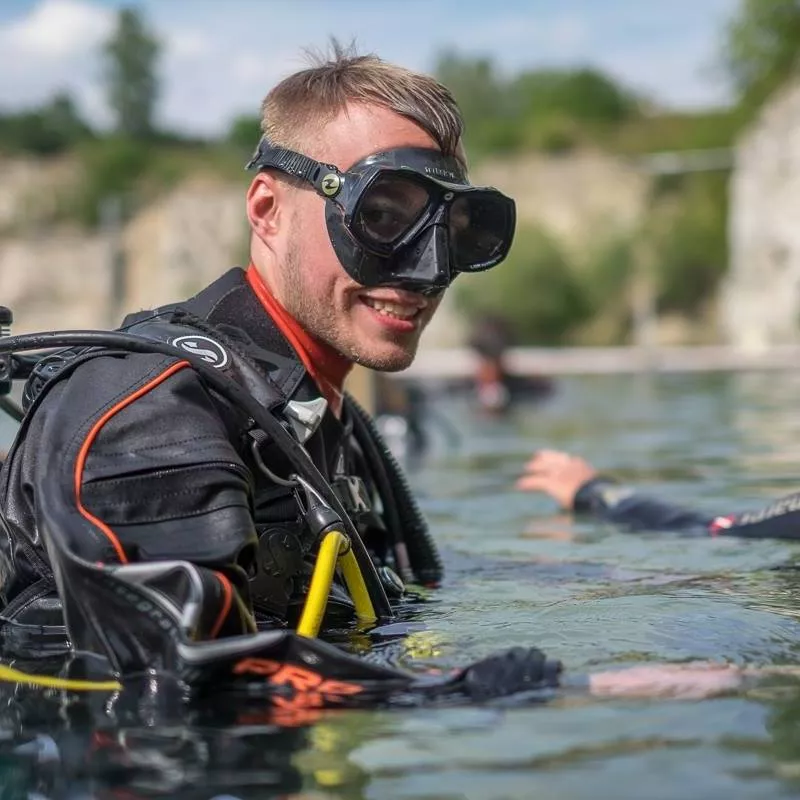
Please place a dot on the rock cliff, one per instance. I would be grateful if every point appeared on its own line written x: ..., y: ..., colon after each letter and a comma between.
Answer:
x: 60, y: 276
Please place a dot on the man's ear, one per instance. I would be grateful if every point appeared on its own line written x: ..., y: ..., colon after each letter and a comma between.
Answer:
x: 264, y: 205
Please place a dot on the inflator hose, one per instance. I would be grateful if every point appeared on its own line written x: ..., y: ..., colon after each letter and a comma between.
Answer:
x: 423, y: 554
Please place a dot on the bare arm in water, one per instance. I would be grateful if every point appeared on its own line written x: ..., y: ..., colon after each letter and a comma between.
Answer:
x: 577, y: 486
x: 691, y: 681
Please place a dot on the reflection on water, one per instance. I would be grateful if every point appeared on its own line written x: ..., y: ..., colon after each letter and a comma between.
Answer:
x: 521, y: 573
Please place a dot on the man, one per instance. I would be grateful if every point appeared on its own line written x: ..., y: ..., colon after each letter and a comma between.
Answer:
x: 168, y: 491
x: 577, y: 486
x: 162, y: 508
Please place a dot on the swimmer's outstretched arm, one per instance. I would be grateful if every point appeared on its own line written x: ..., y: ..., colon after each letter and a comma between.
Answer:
x: 577, y: 486
x: 692, y: 681
x: 527, y: 668
x: 304, y: 674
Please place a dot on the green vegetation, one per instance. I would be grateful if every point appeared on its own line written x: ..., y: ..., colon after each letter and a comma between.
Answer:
x: 690, y: 240
x: 682, y: 242
x: 131, y: 75
x: 136, y: 161
x: 536, y: 291
x: 547, y: 294
x: 762, y: 48
x: 550, y: 110
x: 52, y: 129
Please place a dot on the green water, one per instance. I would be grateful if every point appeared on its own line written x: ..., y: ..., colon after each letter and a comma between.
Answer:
x: 591, y: 595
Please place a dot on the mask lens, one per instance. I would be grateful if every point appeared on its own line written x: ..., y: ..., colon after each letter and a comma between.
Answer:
x: 479, y: 230
x: 389, y: 209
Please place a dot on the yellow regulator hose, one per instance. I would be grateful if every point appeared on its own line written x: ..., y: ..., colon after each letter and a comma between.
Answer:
x: 334, y: 550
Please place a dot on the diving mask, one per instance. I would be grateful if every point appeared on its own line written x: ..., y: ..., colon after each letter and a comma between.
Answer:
x: 406, y: 217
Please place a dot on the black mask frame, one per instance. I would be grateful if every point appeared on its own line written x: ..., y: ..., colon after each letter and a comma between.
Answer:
x: 424, y: 256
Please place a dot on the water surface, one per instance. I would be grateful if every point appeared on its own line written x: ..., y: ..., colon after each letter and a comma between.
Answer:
x: 521, y: 572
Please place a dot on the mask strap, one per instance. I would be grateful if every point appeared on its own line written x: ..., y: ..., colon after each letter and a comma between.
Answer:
x: 325, y: 178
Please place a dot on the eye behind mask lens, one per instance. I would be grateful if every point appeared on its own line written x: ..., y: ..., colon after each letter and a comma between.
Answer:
x: 390, y: 207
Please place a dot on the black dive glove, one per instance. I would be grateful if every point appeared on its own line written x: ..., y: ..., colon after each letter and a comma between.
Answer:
x: 519, y: 669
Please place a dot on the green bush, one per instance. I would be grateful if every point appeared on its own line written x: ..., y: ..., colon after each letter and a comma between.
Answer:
x: 557, y: 135
x: 606, y: 273
x: 111, y: 168
x: 761, y: 50
x: 534, y: 291
x: 49, y: 130
x: 244, y: 133
x: 584, y: 95
x: 549, y: 110
x: 675, y: 131
x: 691, y: 245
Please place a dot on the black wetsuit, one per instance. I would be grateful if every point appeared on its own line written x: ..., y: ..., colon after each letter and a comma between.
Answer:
x: 149, y: 521
x: 627, y: 506
x: 159, y: 467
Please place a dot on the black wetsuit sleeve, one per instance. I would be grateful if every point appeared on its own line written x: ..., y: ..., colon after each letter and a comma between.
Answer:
x: 627, y: 507
x: 778, y: 520
x: 144, y: 455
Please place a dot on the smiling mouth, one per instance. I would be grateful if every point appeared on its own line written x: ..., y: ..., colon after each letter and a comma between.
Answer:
x: 395, y: 310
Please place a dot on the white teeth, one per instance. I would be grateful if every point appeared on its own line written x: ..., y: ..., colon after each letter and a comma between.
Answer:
x: 389, y: 309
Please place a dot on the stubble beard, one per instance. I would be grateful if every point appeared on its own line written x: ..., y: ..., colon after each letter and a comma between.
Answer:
x: 328, y: 328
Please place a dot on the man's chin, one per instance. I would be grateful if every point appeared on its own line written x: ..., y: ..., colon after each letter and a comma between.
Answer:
x: 392, y: 359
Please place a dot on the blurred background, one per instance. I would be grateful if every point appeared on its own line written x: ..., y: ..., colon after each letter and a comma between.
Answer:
x: 653, y: 150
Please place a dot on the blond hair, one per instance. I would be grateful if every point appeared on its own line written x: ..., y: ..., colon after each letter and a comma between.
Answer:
x: 307, y: 100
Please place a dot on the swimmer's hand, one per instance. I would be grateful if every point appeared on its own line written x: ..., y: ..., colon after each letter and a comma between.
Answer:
x: 558, y: 474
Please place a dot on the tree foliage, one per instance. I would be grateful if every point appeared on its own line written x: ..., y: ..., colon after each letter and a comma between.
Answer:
x: 49, y: 130
x: 762, y: 48
x: 131, y: 57
x: 535, y: 291
x: 552, y: 110
x: 691, y: 244
x: 244, y: 133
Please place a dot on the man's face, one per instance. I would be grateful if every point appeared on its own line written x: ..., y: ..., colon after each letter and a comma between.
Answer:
x: 378, y: 327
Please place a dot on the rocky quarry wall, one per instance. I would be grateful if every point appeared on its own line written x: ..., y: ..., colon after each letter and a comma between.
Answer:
x: 761, y: 298
x: 64, y: 277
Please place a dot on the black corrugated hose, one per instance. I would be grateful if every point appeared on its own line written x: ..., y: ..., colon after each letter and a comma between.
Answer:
x: 405, y: 516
